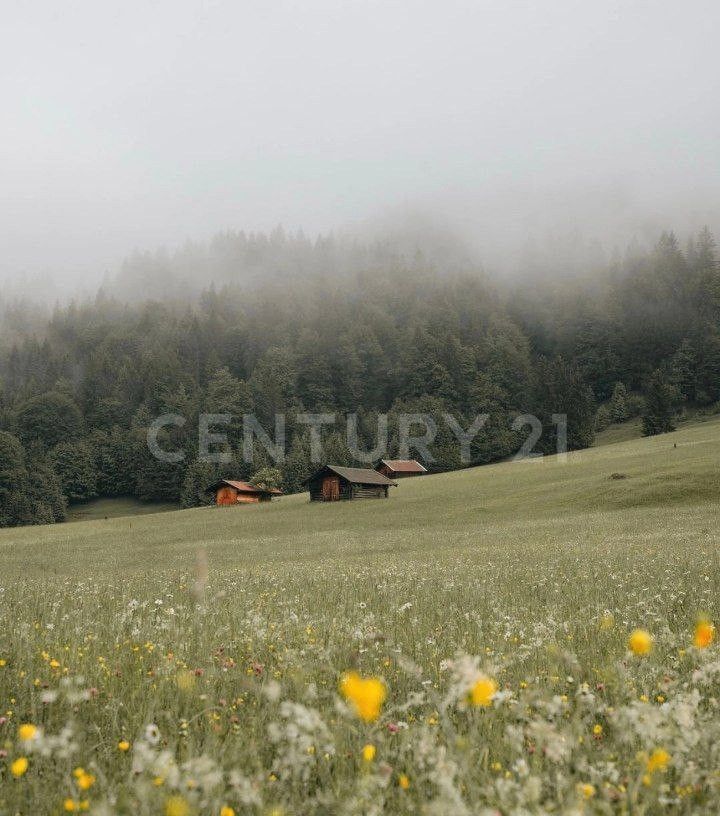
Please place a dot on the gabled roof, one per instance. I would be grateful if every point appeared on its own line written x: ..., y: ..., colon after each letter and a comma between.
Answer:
x: 243, y: 487
x: 403, y: 465
x: 355, y: 475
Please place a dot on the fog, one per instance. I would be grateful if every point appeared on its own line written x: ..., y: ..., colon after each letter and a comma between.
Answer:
x: 133, y: 125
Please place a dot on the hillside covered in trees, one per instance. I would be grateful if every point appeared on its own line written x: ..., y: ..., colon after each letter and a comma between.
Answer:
x: 267, y: 324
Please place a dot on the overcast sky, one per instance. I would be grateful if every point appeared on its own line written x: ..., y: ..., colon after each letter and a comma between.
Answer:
x: 138, y: 124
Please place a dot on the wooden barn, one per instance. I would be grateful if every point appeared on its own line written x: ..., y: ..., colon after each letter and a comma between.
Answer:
x: 400, y: 468
x: 333, y: 483
x: 228, y: 491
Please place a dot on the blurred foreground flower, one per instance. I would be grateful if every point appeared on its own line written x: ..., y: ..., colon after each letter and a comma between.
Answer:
x: 704, y: 634
x: 367, y: 694
x: 27, y: 732
x: 19, y: 766
x: 483, y: 691
x: 640, y: 642
x: 658, y: 760
x: 176, y: 806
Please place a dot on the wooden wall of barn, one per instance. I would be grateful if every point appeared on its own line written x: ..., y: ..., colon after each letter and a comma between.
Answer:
x: 369, y: 491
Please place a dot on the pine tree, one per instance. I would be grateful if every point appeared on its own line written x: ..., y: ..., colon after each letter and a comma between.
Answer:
x: 74, y: 463
x: 618, y: 411
x: 661, y: 405
x: 50, y: 418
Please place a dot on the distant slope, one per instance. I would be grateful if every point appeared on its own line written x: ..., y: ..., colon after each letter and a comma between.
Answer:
x: 660, y: 488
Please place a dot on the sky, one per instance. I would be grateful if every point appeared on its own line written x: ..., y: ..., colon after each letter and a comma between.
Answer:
x: 133, y: 125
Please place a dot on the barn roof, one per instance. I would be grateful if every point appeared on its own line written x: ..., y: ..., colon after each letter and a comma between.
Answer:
x: 355, y: 475
x: 403, y: 465
x: 243, y: 487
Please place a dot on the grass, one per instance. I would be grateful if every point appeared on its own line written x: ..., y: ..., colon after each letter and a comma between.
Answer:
x: 213, y: 641
x: 113, y: 508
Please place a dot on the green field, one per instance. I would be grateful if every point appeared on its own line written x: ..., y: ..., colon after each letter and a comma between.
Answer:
x: 531, y: 573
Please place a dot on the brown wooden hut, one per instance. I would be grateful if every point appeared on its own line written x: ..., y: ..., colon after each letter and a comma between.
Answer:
x: 400, y: 468
x: 334, y: 483
x: 228, y: 491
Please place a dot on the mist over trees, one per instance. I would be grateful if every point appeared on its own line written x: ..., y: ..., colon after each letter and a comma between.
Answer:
x: 278, y: 323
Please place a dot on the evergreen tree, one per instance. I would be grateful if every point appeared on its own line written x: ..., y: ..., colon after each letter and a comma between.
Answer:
x: 228, y: 395
x: 561, y: 391
x: 44, y: 488
x: 14, y: 502
x: 50, y: 418
x: 198, y: 477
x: 618, y: 410
x: 297, y: 466
x: 74, y: 464
x: 661, y: 405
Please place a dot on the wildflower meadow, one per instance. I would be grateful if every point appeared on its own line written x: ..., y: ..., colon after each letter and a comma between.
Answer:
x: 560, y: 660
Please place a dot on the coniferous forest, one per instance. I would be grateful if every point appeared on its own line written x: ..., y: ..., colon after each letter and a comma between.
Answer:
x: 280, y: 323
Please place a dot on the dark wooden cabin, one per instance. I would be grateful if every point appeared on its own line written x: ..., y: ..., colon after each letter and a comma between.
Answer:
x: 334, y: 483
x: 228, y: 491
x: 400, y: 468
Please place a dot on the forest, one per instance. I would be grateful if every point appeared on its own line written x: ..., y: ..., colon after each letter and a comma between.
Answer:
x: 260, y: 324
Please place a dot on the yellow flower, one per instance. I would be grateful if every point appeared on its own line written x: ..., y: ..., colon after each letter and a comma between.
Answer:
x: 483, y: 691
x: 85, y: 781
x: 640, y: 642
x: 368, y: 753
x: 27, y: 732
x: 123, y: 746
x: 54, y: 664
x: 176, y: 806
x: 19, y: 766
x: 70, y: 806
x: 586, y: 790
x: 597, y: 729
x: 658, y: 760
x: 367, y: 694
x: 404, y: 781
x: 226, y: 810
x: 704, y: 634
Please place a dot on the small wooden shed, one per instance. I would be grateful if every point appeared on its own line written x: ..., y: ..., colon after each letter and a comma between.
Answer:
x: 400, y: 468
x: 229, y: 491
x: 334, y: 483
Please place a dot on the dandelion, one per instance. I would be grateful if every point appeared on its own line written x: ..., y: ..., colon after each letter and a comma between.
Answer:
x: 226, y: 810
x: 123, y: 746
x: 597, y: 729
x: 483, y: 691
x: 368, y: 753
x: 404, y: 781
x: 367, y: 694
x: 640, y: 642
x: 657, y: 761
x: 176, y: 806
x: 27, y: 732
x: 19, y: 767
x: 704, y: 634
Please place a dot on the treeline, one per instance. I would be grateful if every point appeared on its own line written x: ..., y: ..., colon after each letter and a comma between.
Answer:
x: 76, y: 399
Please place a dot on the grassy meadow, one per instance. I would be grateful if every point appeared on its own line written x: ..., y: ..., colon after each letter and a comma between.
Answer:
x: 461, y: 648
